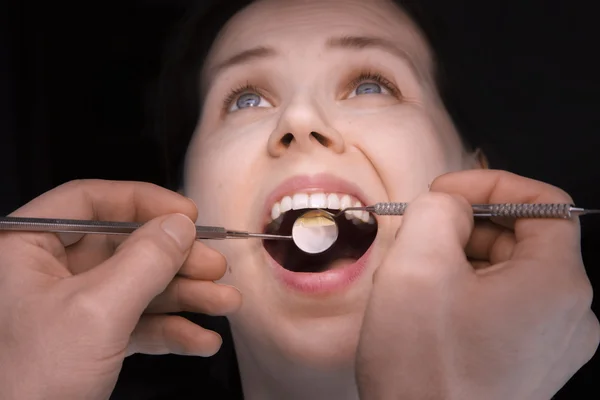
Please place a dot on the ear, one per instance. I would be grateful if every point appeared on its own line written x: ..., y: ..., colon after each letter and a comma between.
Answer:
x: 482, y: 159
x: 479, y: 160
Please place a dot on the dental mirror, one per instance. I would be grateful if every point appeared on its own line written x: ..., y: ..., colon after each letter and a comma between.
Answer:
x: 315, y: 231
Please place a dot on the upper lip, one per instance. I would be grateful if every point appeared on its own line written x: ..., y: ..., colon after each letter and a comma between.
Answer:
x: 326, y: 183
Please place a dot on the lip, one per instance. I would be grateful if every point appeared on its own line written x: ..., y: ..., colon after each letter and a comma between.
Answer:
x: 327, y: 282
x: 321, y: 283
x: 313, y: 184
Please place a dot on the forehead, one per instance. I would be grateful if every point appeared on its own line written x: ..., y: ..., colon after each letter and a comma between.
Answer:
x: 295, y: 25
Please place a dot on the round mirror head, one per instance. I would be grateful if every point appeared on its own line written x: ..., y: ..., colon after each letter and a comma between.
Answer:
x: 315, y: 231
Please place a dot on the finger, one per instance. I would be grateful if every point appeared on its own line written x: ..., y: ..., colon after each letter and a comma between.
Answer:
x: 196, y: 296
x: 90, y: 251
x: 431, y: 240
x: 164, y: 334
x: 490, y: 242
x: 141, y: 269
x: 203, y: 262
x: 106, y: 201
x: 546, y: 238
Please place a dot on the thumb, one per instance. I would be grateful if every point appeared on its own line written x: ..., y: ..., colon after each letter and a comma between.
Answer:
x: 142, y: 267
x: 431, y: 240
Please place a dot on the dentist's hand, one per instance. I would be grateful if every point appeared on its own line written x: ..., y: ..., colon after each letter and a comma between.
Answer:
x: 72, y: 306
x: 486, y: 311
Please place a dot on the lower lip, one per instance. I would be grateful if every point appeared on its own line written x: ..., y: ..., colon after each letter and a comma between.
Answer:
x: 335, y: 280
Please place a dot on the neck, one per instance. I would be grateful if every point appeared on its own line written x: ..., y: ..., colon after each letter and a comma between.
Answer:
x: 273, y: 378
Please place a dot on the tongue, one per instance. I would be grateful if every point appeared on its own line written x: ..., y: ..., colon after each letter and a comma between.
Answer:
x: 339, y: 264
x: 318, y: 268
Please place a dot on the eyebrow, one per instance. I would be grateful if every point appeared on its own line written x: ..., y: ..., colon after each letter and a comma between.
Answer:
x: 343, y: 42
x: 244, y: 57
x: 370, y: 42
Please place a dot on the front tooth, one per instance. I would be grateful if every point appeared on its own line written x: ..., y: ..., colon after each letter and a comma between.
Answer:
x: 357, y: 213
x: 346, y: 202
x: 275, y: 211
x: 333, y: 202
x: 286, y: 204
x: 318, y: 200
x: 300, y: 201
x: 365, y: 217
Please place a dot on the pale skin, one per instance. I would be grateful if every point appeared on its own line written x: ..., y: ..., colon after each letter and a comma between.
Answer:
x: 492, y: 310
x: 393, y: 146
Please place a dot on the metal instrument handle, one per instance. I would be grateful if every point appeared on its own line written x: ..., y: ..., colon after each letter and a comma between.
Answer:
x: 97, y: 227
x: 509, y: 210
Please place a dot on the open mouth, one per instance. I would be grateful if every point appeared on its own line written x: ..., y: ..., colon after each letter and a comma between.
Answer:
x: 357, y: 232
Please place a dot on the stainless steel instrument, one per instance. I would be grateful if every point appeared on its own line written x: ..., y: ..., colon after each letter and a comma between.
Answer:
x: 215, y: 232
x: 510, y: 210
x: 117, y: 228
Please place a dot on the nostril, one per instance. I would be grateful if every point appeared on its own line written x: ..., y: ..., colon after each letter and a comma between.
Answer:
x: 287, y: 139
x: 324, y: 141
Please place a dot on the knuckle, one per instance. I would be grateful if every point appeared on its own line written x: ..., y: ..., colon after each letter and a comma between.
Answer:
x: 569, y: 294
x: 207, y: 304
x: 77, y: 184
x: 211, y: 304
x: 576, y: 288
x: 439, y: 198
x: 439, y: 206
x: 438, y: 201
x: 586, y: 295
x: 181, y: 297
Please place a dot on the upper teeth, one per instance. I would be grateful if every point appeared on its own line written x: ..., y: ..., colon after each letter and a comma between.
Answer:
x: 333, y: 201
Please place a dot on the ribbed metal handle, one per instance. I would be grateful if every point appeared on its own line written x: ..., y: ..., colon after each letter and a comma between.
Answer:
x: 390, y: 208
x: 492, y: 210
x: 524, y: 210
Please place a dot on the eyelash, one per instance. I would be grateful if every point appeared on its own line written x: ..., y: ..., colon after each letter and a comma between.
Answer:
x: 375, y: 77
x: 235, y: 93
x: 360, y: 79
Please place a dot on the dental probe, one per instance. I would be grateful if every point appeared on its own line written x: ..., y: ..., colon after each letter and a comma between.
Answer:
x: 510, y: 210
x: 117, y: 228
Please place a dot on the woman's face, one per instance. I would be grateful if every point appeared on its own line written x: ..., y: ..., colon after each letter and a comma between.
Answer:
x: 318, y: 103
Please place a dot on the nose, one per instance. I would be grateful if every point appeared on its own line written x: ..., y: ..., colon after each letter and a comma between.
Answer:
x: 303, y: 127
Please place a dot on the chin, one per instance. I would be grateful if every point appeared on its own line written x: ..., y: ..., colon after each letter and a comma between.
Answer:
x: 318, y: 343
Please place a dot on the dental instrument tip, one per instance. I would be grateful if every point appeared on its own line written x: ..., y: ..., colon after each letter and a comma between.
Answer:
x: 583, y: 211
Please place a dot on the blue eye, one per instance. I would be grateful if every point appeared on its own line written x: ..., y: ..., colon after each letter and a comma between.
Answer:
x: 369, y: 83
x: 247, y: 100
x: 368, y: 88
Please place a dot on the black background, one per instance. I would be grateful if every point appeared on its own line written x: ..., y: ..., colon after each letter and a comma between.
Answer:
x: 76, y: 81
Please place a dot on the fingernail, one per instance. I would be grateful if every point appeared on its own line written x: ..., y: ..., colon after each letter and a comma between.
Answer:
x: 181, y: 229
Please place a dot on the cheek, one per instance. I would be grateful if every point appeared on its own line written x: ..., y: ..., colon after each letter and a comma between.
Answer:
x: 406, y: 148
x: 218, y: 179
